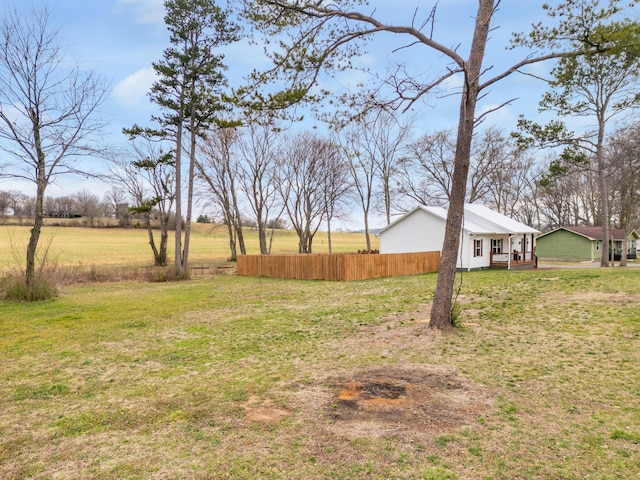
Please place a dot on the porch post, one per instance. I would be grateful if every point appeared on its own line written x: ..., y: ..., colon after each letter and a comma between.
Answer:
x: 533, y: 250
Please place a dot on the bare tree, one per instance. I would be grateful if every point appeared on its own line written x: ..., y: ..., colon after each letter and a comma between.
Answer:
x: 505, y: 173
x: 147, y: 174
x: 382, y: 137
x: 336, y: 188
x: 64, y: 206
x: 89, y: 206
x: 568, y: 196
x: 489, y: 150
x: 28, y: 207
x: 47, y: 111
x: 427, y: 169
x: 218, y: 170
x: 19, y: 204
x: 303, y: 170
x: 258, y: 148
x: 5, y: 204
x: 516, y: 184
x: 623, y: 154
x: 529, y: 210
x: 117, y: 195
x: 363, y: 170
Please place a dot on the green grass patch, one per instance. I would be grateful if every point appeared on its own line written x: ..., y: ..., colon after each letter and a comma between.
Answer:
x: 235, y: 377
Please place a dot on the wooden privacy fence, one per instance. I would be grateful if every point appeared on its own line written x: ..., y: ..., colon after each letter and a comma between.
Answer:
x: 338, y: 266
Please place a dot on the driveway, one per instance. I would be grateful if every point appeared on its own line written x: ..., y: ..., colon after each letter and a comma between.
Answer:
x: 558, y: 264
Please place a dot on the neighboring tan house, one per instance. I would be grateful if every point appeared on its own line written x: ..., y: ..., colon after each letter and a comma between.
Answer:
x: 582, y: 243
x: 489, y: 239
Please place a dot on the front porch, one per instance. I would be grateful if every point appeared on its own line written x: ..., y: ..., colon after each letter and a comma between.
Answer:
x: 513, y: 252
x: 514, y: 261
x: 618, y: 249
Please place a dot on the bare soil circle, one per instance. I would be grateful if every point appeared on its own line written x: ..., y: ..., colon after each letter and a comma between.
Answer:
x: 414, y: 397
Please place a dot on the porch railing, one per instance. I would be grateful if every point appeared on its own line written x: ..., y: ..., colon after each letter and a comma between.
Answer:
x: 514, y: 259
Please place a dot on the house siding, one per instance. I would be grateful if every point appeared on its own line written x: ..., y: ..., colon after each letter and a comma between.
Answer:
x: 565, y: 245
x: 422, y: 230
x: 476, y: 262
x: 414, y: 233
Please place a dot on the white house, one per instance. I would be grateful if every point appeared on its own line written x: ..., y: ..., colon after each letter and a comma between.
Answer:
x: 488, y: 239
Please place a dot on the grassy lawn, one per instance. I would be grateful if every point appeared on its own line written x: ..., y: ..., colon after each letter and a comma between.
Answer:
x: 234, y: 377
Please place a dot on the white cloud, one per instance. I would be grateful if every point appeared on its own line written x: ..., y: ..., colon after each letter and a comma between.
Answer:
x: 365, y: 60
x: 452, y: 84
x: 132, y: 91
x: 146, y: 11
x: 497, y: 115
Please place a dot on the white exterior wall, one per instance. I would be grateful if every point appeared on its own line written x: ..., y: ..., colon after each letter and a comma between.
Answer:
x: 465, y: 252
x: 468, y: 246
x: 418, y: 232
x: 423, y: 232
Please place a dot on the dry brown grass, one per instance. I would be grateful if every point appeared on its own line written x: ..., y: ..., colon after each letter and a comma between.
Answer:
x: 80, y: 254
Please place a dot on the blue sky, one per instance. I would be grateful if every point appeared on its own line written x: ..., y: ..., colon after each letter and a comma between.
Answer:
x: 121, y: 38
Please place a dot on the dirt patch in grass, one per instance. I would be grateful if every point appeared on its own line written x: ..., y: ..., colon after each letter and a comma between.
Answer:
x: 264, y: 411
x: 418, y: 398
x: 602, y: 297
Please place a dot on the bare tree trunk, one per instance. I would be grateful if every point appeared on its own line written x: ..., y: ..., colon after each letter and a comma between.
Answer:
x: 32, y: 246
x: 309, y: 241
x: 157, y: 260
x: 187, y: 224
x: 232, y: 241
x: 236, y: 207
x: 240, y: 236
x: 262, y: 233
x: 387, y: 199
x: 443, y: 297
x: 607, y: 249
x: 262, y: 238
x: 38, y: 219
x: 625, y: 248
x: 178, y: 220
x: 273, y: 231
x: 367, y: 235
x: 164, y: 238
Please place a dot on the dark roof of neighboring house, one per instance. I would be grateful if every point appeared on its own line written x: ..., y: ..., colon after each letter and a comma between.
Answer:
x: 595, y: 233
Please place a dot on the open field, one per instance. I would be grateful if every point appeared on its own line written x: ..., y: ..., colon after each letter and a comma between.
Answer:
x: 245, y: 378
x: 72, y: 246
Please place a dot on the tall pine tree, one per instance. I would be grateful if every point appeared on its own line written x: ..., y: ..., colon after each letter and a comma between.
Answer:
x: 189, y: 91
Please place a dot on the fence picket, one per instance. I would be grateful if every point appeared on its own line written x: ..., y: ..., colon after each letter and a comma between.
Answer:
x: 338, y: 266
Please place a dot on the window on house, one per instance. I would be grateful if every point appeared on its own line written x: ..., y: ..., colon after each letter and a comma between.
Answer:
x: 496, y: 245
x: 477, y: 251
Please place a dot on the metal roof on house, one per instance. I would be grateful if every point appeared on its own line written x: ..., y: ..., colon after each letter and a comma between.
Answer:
x: 489, y: 217
x: 477, y: 219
